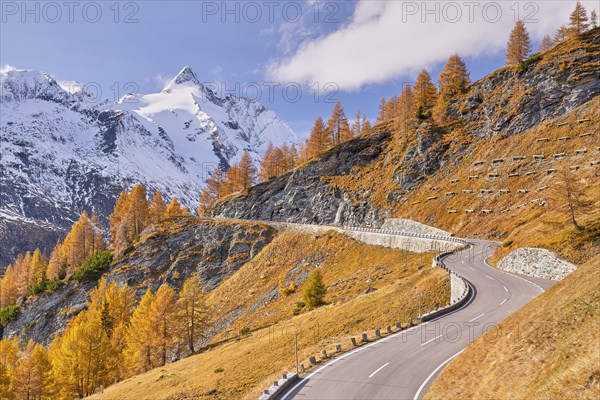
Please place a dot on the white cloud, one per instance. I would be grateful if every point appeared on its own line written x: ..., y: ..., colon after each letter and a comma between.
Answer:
x: 388, y: 39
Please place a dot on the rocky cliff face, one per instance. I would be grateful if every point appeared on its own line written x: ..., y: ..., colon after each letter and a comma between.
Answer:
x: 304, y: 196
x: 167, y: 253
x: 360, y: 182
x: 511, y: 101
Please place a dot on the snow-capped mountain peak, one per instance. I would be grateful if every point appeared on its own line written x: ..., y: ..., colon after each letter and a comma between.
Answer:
x: 186, y: 77
x: 61, y: 155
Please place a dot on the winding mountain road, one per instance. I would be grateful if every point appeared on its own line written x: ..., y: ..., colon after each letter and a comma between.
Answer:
x: 403, y: 365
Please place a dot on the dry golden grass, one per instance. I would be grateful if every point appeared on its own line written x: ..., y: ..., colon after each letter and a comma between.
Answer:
x: 532, y: 224
x: 394, y: 279
x: 550, y: 349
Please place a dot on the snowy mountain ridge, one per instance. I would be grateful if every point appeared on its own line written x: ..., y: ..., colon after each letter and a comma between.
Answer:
x: 62, y: 153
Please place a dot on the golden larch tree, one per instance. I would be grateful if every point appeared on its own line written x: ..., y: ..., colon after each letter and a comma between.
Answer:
x: 82, y: 356
x: 546, y: 44
x: 337, y: 126
x: 158, y: 207
x: 519, y: 44
x: 56, y: 267
x: 175, y: 210
x: 266, y: 164
x: 31, y: 379
x: 318, y: 141
x: 9, y: 287
x: 193, y: 311
x: 165, y: 323
x: 140, y: 336
x: 247, y: 171
x: 578, y: 20
x: 213, y: 190
x: 593, y: 19
x: 425, y: 94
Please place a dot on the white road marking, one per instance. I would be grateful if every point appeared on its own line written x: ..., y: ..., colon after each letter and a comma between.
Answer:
x: 472, y: 268
x: 316, y: 371
x: 505, y: 289
x: 487, y: 276
x: 433, y: 373
x: 503, y: 301
x: 431, y: 340
x: 514, y: 275
x: 379, y: 369
x: 477, y: 317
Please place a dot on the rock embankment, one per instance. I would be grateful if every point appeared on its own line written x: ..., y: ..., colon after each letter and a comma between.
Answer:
x: 303, y: 196
x: 408, y: 225
x: 169, y: 252
x: 538, y: 263
x: 172, y: 251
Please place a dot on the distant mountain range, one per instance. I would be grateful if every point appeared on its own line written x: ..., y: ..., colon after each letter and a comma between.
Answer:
x: 62, y: 153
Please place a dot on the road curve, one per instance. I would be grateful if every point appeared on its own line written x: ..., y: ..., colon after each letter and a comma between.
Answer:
x: 402, y: 365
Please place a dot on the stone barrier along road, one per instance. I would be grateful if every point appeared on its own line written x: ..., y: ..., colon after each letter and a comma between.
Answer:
x: 279, y: 386
x: 402, y: 365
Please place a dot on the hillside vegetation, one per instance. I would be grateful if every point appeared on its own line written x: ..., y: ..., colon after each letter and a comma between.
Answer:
x: 368, y: 288
x: 547, y: 350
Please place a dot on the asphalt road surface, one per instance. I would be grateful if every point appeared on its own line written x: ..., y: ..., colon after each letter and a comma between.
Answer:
x: 403, y: 365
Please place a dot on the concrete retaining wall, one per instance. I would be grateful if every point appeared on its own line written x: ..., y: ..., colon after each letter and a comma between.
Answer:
x: 538, y: 263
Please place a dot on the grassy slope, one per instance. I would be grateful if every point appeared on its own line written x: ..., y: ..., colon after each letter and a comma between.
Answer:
x: 531, y: 225
x: 249, y: 363
x: 550, y: 349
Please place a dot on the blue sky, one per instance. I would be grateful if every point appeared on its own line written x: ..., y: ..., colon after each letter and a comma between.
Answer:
x: 366, y: 49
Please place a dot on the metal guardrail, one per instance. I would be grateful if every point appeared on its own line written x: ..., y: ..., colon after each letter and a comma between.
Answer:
x: 446, y: 238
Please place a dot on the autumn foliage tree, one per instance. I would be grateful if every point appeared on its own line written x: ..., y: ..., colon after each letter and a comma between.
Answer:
x: 337, y: 126
x: 314, y: 291
x: 318, y: 141
x: 519, y: 44
x: 425, y: 95
x: 277, y: 161
x: 453, y: 81
x: 546, y: 44
x: 212, y: 191
x: 158, y: 208
x: 193, y: 310
x: 578, y: 20
x: 32, y: 375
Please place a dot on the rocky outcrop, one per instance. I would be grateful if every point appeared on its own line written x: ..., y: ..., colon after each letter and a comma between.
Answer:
x: 539, y: 263
x: 174, y: 250
x: 42, y: 317
x: 508, y: 101
x: 303, y: 196
x: 167, y: 253
x: 513, y: 100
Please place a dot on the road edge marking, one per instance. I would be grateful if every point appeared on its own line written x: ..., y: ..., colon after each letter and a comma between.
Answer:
x: 433, y: 373
x: 379, y: 369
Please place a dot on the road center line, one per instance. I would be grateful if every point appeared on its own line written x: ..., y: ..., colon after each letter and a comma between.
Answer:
x: 477, y: 317
x: 431, y: 340
x: 487, y: 276
x: 379, y: 369
x: 503, y: 301
x: 505, y: 289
